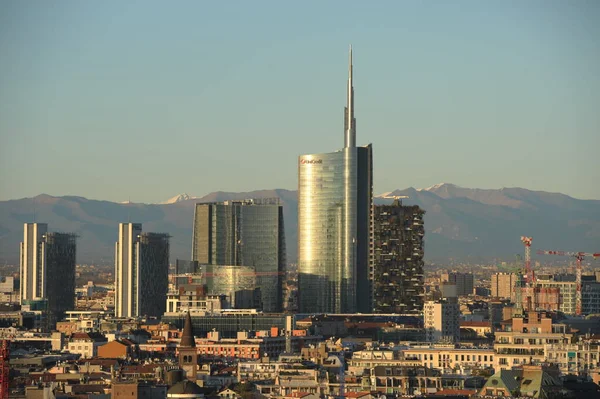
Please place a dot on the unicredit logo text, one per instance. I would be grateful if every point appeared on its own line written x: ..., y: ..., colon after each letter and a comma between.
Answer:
x: 310, y: 161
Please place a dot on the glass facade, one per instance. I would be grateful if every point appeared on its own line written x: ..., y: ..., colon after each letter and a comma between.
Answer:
x: 245, y: 233
x: 335, y: 224
x: 59, y: 254
x: 239, y: 283
x: 229, y: 324
x: 325, y: 267
x: 153, y: 273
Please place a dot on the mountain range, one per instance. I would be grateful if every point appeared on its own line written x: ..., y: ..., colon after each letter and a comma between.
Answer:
x: 462, y: 224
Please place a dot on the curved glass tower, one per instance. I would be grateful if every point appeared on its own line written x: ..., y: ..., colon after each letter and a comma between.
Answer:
x: 334, y: 224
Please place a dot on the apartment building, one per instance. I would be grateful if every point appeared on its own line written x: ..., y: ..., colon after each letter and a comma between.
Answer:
x: 503, y: 284
x: 523, y: 340
x: 463, y: 281
x: 442, y: 320
x: 450, y: 359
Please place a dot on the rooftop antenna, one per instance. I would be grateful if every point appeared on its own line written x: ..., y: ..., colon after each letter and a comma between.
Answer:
x: 33, y: 201
x: 129, y: 209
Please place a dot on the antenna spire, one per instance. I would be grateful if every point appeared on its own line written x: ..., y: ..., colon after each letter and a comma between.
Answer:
x: 349, y: 120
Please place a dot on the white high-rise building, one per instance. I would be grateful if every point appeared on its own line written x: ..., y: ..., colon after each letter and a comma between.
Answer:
x: 141, y: 272
x: 126, y: 265
x: 442, y: 320
x: 32, y: 261
x: 48, y: 268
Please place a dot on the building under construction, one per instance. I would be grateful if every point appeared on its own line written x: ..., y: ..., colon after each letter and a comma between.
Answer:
x: 398, y: 285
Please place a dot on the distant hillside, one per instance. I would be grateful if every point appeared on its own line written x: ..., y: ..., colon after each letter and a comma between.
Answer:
x: 461, y: 223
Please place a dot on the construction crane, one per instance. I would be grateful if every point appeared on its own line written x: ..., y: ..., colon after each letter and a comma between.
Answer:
x: 397, y: 198
x: 4, y: 368
x: 528, y: 270
x: 579, y: 256
x: 529, y: 274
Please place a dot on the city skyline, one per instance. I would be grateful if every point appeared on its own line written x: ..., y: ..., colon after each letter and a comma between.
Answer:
x: 483, y: 91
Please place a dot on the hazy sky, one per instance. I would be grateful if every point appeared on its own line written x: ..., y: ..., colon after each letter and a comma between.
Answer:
x: 148, y: 99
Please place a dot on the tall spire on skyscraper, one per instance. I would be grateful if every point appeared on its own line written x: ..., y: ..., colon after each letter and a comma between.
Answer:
x: 349, y: 120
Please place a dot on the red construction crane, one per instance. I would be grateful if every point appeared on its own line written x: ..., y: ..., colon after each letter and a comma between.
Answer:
x: 528, y: 270
x: 579, y: 256
x: 4, y: 368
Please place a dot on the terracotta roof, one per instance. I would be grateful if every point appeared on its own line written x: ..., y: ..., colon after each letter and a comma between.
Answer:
x: 80, y: 335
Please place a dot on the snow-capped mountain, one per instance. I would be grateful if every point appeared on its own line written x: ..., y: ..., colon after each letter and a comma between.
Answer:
x: 178, y: 198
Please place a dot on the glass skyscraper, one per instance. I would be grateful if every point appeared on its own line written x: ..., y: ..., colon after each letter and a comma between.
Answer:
x: 335, y: 198
x: 244, y: 233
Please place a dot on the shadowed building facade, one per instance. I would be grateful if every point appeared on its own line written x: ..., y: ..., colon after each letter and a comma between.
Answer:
x: 48, y: 268
x: 334, y: 224
x: 398, y: 284
x: 141, y: 272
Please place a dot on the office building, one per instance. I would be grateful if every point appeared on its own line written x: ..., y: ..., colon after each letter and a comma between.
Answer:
x: 335, y: 224
x: 141, y: 272
x: 48, y: 268
x: 194, y: 298
x: 238, y: 283
x: 503, y: 285
x: 186, y: 267
x: 32, y: 275
x: 59, y: 251
x: 398, y: 284
x: 463, y: 281
x: 229, y: 322
x: 442, y: 320
x: 244, y: 233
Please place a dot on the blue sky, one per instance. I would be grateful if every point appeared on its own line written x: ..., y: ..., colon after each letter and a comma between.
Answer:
x: 148, y: 99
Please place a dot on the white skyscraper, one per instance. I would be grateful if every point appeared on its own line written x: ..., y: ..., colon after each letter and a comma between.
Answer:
x: 126, y: 265
x: 141, y: 272
x: 32, y: 269
x: 48, y: 268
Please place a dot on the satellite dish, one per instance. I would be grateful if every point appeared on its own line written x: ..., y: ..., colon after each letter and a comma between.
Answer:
x: 382, y: 397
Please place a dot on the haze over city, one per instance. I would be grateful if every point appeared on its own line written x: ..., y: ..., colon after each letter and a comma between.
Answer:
x: 312, y: 200
x: 145, y: 100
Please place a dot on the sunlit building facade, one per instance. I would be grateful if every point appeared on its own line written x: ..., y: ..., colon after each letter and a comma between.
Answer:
x: 141, y: 272
x: 48, y: 268
x: 244, y: 233
x: 335, y: 225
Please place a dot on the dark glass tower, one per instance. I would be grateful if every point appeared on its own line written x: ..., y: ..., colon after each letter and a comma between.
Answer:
x: 398, y: 263
x: 59, y: 257
x: 334, y: 224
x: 244, y: 233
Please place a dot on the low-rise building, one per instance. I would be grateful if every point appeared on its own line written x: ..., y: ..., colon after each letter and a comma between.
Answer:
x: 451, y: 359
x: 85, y: 344
x: 534, y: 381
x: 522, y: 340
